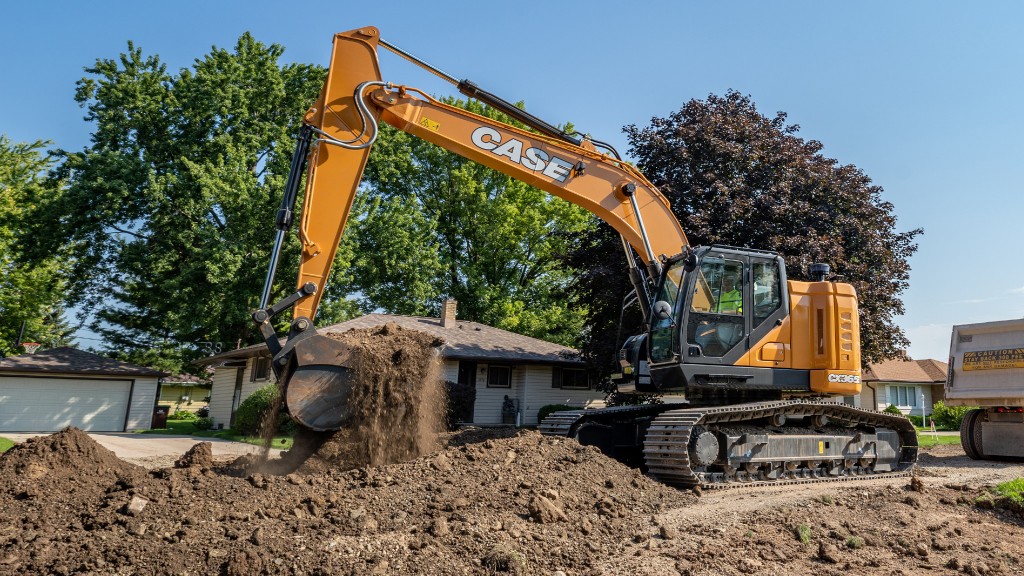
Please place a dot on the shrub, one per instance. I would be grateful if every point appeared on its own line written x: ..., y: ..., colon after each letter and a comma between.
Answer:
x: 892, y: 409
x: 803, y: 533
x: 182, y: 415
x: 854, y: 542
x: 916, y: 420
x: 949, y: 417
x: 203, y: 412
x: 1012, y: 491
x: 549, y: 409
x: 203, y: 423
x: 250, y: 413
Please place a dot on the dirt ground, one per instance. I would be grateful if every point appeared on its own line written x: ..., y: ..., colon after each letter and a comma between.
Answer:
x: 390, y: 495
x: 486, y: 502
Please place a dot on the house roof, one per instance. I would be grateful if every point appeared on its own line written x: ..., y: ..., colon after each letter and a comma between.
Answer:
x: 66, y: 360
x: 187, y: 379
x: 463, y: 341
x: 928, y: 371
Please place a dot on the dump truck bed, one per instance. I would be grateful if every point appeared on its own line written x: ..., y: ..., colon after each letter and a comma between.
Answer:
x: 986, y: 364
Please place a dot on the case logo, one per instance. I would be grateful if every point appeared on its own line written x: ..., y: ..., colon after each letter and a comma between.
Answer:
x: 487, y: 138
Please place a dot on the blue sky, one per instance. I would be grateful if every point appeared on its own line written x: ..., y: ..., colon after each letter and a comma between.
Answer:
x: 923, y: 96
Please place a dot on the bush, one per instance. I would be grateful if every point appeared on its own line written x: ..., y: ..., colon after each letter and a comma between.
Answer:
x: 949, y: 417
x: 203, y: 423
x: 803, y: 533
x: 1012, y: 491
x: 203, y: 412
x: 182, y: 415
x: 252, y: 410
x: 892, y: 409
x: 547, y: 410
x: 916, y: 420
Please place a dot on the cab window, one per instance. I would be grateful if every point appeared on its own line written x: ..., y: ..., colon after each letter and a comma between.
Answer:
x: 767, y: 290
x: 716, y: 322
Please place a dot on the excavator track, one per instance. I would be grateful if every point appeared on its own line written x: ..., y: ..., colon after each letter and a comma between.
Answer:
x: 765, y: 443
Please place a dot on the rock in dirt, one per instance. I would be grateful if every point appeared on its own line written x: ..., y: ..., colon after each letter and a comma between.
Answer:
x: 545, y: 511
x: 135, y: 506
x: 828, y: 552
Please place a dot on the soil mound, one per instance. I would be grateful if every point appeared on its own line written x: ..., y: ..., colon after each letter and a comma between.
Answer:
x: 70, y: 453
x: 197, y: 456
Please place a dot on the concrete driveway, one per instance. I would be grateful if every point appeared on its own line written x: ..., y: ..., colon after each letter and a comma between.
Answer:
x: 156, y: 450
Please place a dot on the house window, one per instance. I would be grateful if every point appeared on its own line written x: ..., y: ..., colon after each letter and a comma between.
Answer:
x: 499, y: 376
x: 260, y: 369
x: 570, y: 378
x: 903, y: 396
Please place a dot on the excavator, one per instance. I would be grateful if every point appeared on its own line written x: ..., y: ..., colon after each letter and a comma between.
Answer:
x: 753, y: 361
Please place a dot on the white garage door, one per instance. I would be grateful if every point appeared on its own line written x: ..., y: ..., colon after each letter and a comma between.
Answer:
x: 51, y: 404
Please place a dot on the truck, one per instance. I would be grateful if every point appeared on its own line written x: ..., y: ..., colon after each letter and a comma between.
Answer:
x: 755, y: 359
x: 986, y: 372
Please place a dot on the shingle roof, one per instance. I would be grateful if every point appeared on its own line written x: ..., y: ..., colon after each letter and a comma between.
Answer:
x: 65, y: 360
x: 906, y: 371
x: 463, y: 341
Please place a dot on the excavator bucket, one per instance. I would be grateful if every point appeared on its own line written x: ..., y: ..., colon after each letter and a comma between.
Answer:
x: 317, y: 391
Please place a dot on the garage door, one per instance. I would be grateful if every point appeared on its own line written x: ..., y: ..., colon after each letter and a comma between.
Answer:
x: 51, y: 404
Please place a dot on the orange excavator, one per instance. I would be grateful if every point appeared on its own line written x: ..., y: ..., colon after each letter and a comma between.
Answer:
x: 753, y: 361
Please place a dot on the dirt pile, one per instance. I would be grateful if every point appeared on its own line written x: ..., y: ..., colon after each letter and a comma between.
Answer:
x: 519, y: 501
x: 67, y: 461
x: 491, y: 501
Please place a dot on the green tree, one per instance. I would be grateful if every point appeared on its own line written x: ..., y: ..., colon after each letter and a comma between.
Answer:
x: 735, y: 176
x: 433, y: 224
x: 169, y: 212
x: 31, y: 292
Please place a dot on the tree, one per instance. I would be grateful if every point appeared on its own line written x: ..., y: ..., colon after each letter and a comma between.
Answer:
x: 168, y: 213
x: 737, y: 177
x: 31, y: 292
x: 433, y: 224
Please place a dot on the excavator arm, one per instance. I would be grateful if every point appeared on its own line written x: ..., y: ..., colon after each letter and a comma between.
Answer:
x: 345, y: 118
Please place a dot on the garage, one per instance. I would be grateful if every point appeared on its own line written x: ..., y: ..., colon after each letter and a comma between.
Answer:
x: 53, y: 389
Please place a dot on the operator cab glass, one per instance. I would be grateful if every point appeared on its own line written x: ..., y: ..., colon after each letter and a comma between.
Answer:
x: 715, y: 322
x: 664, y: 332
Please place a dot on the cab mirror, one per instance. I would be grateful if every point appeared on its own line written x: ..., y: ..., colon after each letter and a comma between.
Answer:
x: 663, y: 310
x: 690, y: 261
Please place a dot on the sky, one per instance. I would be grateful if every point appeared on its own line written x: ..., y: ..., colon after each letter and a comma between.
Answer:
x: 923, y: 96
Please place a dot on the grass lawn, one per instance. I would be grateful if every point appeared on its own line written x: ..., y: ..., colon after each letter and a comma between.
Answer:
x: 187, y: 428
x: 5, y: 444
x: 925, y: 439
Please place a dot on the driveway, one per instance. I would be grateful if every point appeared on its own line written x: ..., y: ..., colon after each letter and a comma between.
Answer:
x: 156, y: 450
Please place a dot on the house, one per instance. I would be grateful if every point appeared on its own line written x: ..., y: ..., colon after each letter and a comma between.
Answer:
x: 913, y: 386
x: 60, y: 387
x: 504, y: 369
x: 185, y: 392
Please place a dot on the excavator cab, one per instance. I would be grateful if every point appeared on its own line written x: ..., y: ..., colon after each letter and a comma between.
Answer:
x: 709, y: 309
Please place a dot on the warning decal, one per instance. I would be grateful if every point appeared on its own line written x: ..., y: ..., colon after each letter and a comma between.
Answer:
x: 994, y: 359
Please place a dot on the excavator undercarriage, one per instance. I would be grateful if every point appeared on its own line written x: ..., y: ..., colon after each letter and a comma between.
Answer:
x: 776, y: 442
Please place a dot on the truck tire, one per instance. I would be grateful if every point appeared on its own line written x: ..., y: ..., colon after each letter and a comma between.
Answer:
x: 970, y: 434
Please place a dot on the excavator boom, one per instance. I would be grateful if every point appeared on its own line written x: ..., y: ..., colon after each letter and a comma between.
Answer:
x: 345, y: 116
